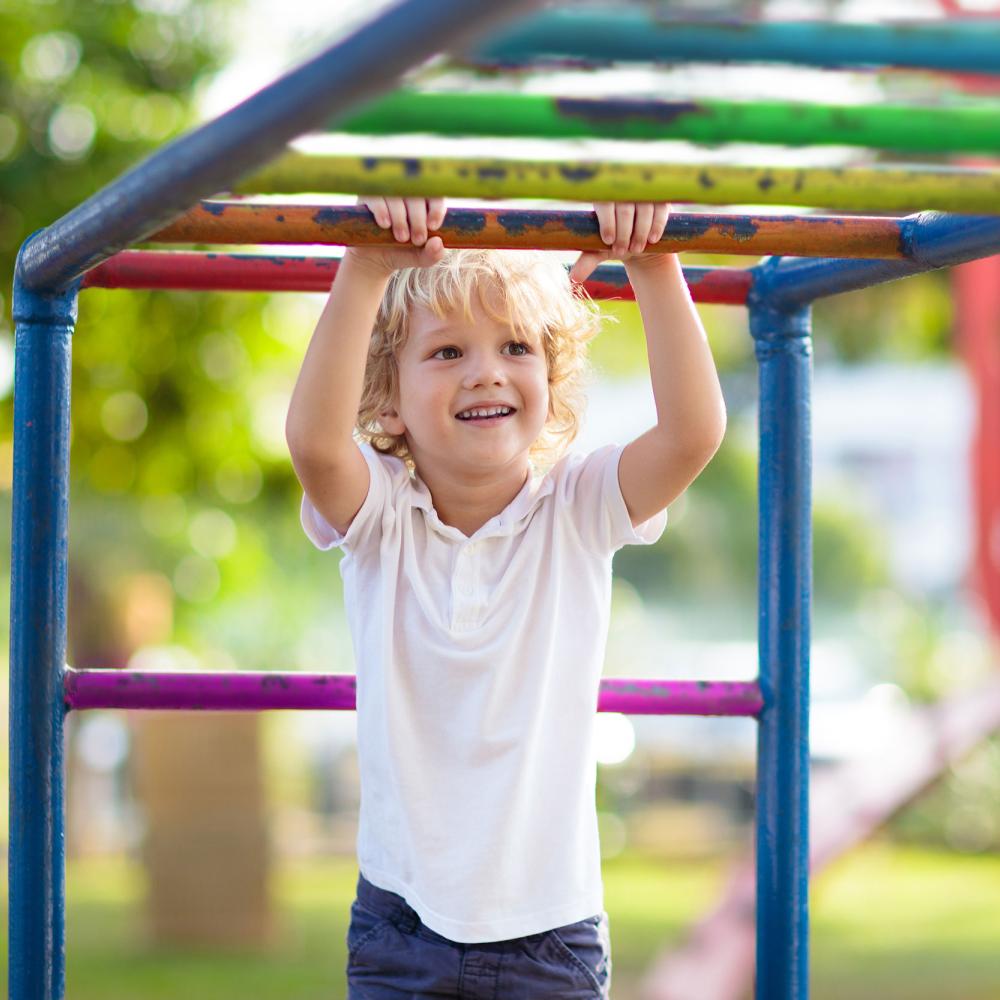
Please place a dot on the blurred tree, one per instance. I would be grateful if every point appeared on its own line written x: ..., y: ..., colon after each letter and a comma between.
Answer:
x: 178, y: 399
x: 900, y: 321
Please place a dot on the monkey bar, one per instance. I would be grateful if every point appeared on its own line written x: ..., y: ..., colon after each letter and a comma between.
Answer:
x: 904, y: 128
x: 752, y: 235
x: 284, y: 273
x: 598, y: 36
x: 855, y: 189
x: 243, y: 690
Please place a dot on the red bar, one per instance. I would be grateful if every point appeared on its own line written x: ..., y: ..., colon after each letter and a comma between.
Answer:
x: 220, y: 272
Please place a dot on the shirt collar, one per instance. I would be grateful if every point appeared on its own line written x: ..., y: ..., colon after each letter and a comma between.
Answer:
x: 511, y: 519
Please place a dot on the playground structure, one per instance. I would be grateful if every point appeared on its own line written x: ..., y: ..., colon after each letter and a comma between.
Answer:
x: 153, y: 203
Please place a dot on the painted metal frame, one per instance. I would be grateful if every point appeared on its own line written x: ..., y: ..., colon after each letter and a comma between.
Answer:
x: 620, y: 34
x: 248, y: 221
x: 43, y: 689
x: 209, y: 159
x: 853, y: 189
x: 225, y: 272
x: 904, y: 128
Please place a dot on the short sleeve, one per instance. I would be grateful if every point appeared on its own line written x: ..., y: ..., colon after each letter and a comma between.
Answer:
x: 590, y: 492
x: 367, y: 523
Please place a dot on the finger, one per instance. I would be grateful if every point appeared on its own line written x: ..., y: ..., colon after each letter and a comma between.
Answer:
x: 661, y: 215
x: 376, y: 205
x: 640, y: 229
x: 431, y: 252
x: 397, y: 212
x: 416, y: 212
x: 584, y: 266
x: 606, y: 220
x: 435, y: 213
x: 624, y: 217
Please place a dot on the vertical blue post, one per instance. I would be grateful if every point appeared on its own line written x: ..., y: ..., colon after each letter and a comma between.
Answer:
x: 784, y: 350
x: 36, y: 861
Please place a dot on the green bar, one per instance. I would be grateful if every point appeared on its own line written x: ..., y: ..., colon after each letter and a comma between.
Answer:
x: 859, y: 189
x: 896, y: 127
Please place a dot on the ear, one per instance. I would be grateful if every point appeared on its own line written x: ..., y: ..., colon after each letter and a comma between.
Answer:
x: 391, y: 421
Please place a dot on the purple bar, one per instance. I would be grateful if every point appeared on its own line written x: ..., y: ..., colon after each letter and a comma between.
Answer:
x: 660, y: 697
x: 236, y: 690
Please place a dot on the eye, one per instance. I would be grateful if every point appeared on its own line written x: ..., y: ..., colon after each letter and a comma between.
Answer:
x: 518, y: 349
x: 442, y: 350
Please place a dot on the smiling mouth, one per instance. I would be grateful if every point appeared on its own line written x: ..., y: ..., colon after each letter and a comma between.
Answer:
x: 493, y: 418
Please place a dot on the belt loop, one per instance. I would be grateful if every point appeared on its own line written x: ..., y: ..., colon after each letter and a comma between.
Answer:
x: 406, y: 919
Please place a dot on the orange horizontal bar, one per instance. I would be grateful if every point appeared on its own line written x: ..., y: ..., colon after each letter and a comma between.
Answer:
x: 220, y: 222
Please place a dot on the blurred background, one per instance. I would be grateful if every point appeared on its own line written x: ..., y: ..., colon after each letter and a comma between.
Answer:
x: 214, y: 854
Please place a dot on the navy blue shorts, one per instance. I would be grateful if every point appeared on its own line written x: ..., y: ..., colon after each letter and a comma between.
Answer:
x: 391, y: 955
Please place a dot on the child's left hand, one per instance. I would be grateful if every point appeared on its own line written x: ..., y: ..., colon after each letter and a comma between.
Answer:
x: 627, y: 228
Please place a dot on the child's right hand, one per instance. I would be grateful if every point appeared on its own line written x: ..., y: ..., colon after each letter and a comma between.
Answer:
x: 411, y: 221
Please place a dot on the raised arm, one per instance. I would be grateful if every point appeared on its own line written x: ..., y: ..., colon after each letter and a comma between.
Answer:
x: 659, y: 465
x: 319, y: 428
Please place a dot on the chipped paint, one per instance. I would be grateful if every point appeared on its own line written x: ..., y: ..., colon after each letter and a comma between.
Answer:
x: 752, y: 235
x: 595, y: 112
x: 247, y: 691
x: 909, y: 128
x: 280, y: 273
x: 857, y: 189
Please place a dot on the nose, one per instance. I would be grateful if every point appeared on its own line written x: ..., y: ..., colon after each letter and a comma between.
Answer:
x: 483, y: 368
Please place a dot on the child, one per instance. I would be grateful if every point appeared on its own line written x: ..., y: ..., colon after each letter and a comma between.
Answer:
x: 478, y: 588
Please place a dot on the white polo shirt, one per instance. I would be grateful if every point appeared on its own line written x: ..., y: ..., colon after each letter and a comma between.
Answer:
x: 478, y: 661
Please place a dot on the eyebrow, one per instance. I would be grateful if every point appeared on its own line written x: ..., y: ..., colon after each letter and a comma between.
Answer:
x: 445, y: 330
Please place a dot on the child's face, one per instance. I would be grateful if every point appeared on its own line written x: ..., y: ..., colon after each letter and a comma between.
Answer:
x: 451, y: 364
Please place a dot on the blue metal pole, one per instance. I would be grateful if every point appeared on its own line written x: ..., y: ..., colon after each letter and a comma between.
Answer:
x: 618, y: 34
x: 930, y: 239
x: 36, y: 859
x: 210, y: 159
x: 783, y: 347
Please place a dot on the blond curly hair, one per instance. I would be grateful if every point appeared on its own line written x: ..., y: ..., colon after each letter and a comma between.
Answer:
x: 531, y: 292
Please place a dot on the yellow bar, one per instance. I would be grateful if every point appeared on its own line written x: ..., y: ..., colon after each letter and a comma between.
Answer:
x: 863, y: 189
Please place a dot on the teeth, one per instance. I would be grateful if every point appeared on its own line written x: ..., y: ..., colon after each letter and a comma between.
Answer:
x: 491, y: 411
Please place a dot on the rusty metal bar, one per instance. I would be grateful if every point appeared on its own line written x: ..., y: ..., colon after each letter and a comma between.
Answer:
x: 752, y: 235
x: 173, y: 269
x: 855, y: 189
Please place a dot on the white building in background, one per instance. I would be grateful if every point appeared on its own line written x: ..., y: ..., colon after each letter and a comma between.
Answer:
x: 896, y: 440
x: 889, y: 441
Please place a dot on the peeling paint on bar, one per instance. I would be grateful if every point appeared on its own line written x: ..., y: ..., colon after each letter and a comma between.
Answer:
x: 246, y: 691
x: 750, y: 235
x: 898, y: 127
x: 275, y: 273
x: 874, y: 189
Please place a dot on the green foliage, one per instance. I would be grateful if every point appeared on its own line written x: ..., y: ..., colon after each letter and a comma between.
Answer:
x: 86, y: 89
x: 960, y: 813
x: 709, y: 551
x: 886, y: 923
x: 902, y: 320
x: 178, y: 463
x: 620, y: 350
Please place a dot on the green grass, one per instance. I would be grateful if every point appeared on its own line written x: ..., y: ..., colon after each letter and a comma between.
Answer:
x: 887, y: 923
